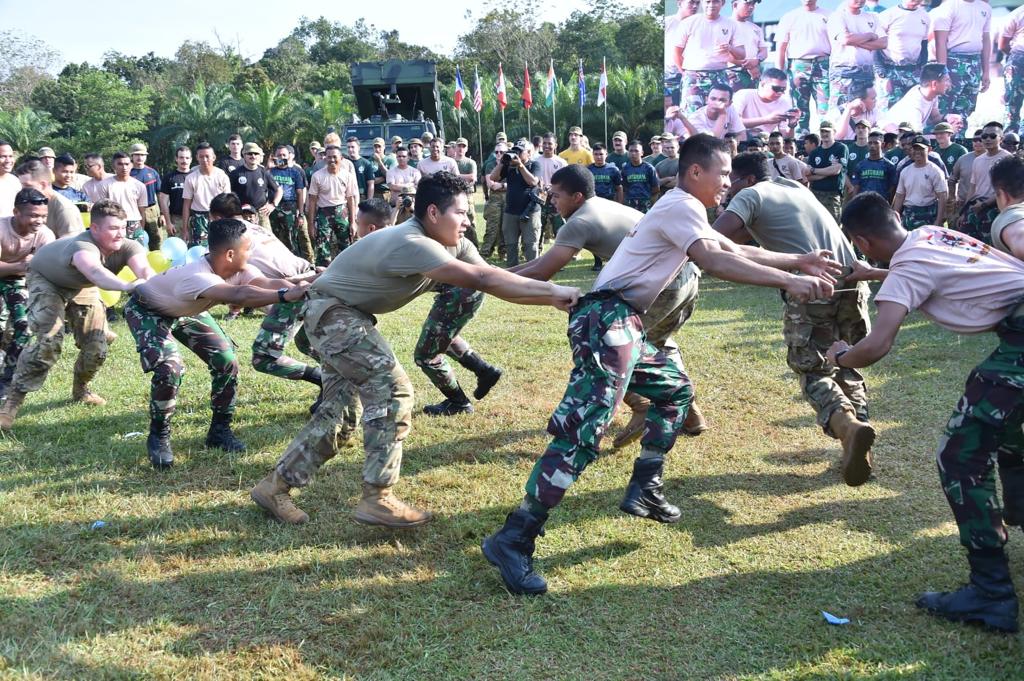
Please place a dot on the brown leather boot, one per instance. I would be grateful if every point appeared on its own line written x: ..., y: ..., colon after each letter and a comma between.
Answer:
x: 635, y: 427
x: 380, y: 507
x: 9, y: 410
x: 80, y: 392
x: 694, y: 423
x: 271, y: 494
x: 857, y: 438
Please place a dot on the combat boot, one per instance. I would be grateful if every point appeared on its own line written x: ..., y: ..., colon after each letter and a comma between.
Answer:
x: 694, y: 424
x: 487, y: 375
x: 221, y: 436
x: 158, y: 445
x: 380, y: 507
x: 455, y: 402
x: 1013, y: 494
x: 80, y: 392
x: 989, y: 598
x: 635, y: 427
x: 271, y: 494
x: 511, y: 548
x: 9, y: 410
x: 857, y: 438
x: 645, y: 496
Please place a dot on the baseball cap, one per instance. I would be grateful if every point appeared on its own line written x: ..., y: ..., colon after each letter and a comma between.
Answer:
x: 619, y: 134
x: 251, y: 147
x: 314, y: 145
x: 138, y: 149
x: 942, y: 127
x: 667, y: 137
x: 905, y: 127
x: 576, y: 129
x: 501, y: 137
x: 45, y: 152
x: 826, y: 125
x: 378, y: 140
x: 656, y: 138
x: 396, y: 138
x: 427, y: 136
x: 919, y: 141
x: 862, y: 123
x: 415, y: 140
x: 463, y: 141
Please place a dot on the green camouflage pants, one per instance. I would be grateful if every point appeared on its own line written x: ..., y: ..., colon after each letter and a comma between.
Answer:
x: 844, y: 81
x: 452, y: 309
x: 154, y: 336
x: 332, y: 234
x: 833, y: 202
x: 965, y: 74
x: 739, y: 79
x: 550, y: 221
x: 610, y: 355
x: 357, y: 365
x: 896, y: 81
x: 15, y: 301
x: 695, y: 86
x: 136, y: 231
x: 198, y: 229
x: 494, y: 208
x: 48, y: 307
x: 809, y: 78
x: 279, y: 327
x: 916, y: 216
x: 1013, y: 76
x: 809, y: 330
x: 285, y: 226
x: 642, y: 205
x: 985, y: 428
x: 977, y: 226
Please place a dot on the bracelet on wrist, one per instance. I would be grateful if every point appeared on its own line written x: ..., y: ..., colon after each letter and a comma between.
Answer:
x: 280, y: 294
x: 838, y: 355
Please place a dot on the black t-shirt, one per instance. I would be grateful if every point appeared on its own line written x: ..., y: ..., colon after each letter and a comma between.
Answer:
x: 856, y: 155
x: 823, y: 158
x: 172, y: 184
x: 517, y: 196
x: 228, y: 164
x: 253, y: 186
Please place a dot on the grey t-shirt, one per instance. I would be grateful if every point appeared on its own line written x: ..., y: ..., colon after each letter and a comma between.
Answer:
x: 599, y: 226
x: 785, y: 217
x: 53, y: 261
x: 668, y: 168
x: 384, y: 271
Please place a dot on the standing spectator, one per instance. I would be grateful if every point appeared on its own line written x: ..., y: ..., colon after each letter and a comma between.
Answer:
x: 655, y: 156
x: 364, y: 169
x: 640, y: 179
x: 858, y: 148
x: 687, y: 8
x: 577, y: 152
x: 9, y: 184
x: 382, y: 163
x: 747, y: 71
x: 1011, y: 43
x: 668, y: 168
x: 961, y: 30
x: 980, y: 209
x: 201, y: 185
x: 151, y: 217
x: 128, y: 193
x: 607, y: 177
x: 64, y: 168
x: 906, y: 25
x: 804, y: 50
x: 234, y: 159
x: 768, y: 107
x: 255, y: 185
x: 415, y: 152
x: 962, y: 171
x: 521, y: 219
x: 494, y: 207
x: 828, y: 168
x: 874, y: 173
x: 403, y: 178
x: 550, y: 162
x: 331, y: 206
x: 921, y: 190
x: 97, y: 173
x: 950, y: 152
x: 171, y: 187
x: 288, y: 221
x: 437, y: 161
x: 467, y: 171
x: 48, y: 157
x: 618, y: 155
x: 705, y: 45
x: 781, y: 164
x: 854, y: 35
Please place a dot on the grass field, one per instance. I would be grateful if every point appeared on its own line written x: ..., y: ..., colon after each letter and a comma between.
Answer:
x: 189, y: 579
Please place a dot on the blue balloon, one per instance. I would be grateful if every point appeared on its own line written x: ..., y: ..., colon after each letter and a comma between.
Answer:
x: 194, y: 253
x: 174, y: 249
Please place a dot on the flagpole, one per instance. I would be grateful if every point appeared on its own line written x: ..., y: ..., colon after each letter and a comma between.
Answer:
x: 580, y: 88
x: 554, y: 100
x: 604, y: 70
x: 503, y: 119
x: 529, y: 126
x: 458, y: 115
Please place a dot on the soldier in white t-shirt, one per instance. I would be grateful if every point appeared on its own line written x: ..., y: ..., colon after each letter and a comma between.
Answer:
x: 855, y: 36
x: 961, y: 29
x: 1011, y: 43
x: 921, y: 190
x: 804, y: 49
x: 744, y: 73
x: 906, y: 25
x: 705, y: 45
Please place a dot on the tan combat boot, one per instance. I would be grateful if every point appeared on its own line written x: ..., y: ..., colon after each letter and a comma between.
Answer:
x: 635, y: 428
x: 694, y: 423
x: 80, y: 392
x: 9, y: 410
x: 857, y: 438
x: 271, y: 494
x: 380, y: 507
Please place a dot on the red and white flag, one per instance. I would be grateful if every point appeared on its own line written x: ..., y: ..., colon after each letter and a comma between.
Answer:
x: 602, y: 86
x: 502, y: 101
x: 460, y: 91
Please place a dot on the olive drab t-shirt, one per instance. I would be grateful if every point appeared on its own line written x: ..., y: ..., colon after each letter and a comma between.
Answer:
x: 599, y: 226
x: 383, y: 271
x: 53, y: 261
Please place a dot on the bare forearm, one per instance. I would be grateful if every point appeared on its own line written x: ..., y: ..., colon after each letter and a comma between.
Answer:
x: 736, y: 268
x: 779, y: 261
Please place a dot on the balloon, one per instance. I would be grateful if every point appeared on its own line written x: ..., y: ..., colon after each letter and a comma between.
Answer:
x: 126, y: 275
x: 194, y: 254
x: 110, y: 298
x: 174, y: 250
x: 158, y: 261
x: 86, y: 220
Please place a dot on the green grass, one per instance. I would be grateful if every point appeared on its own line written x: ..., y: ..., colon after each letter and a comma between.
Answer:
x: 189, y: 579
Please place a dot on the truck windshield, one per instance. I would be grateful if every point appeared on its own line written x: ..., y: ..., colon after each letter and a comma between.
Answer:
x: 364, y: 131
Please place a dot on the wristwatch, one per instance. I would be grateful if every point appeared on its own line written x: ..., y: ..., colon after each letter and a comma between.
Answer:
x: 280, y: 294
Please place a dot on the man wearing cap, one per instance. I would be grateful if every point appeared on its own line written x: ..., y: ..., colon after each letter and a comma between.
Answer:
x: 234, y: 159
x: 364, y: 169
x: 396, y: 143
x: 501, y: 137
x: 255, y: 185
x: 828, y: 170
x: 981, y: 208
x: 768, y: 107
x: 950, y: 152
x: 550, y: 162
x: 961, y: 30
x: 855, y: 35
x: 744, y: 74
x: 331, y: 205
x: 172, y: 184
x: 203, y: 183
x: 804, y: 49
x: 521, y: 219
x: 288, y: 221
x: 655, y: 157
x: 468, y: 173
x: 640, y: 179
x: 316, y: 154
x: 129, y: 193
x: 48, y: 157
x: 437, y: 161
x: 415, y: 152
x: 494, y: 206
x: 618, y: 154
x: 921, y: 191
x: 857, y: 148
x: 382, y: 163
x: 705, y: 44
x: 907, y: 26
x: 897, y: 153
x: 874, y: 173
x: 151, y: 217
x: 921, y: 107
x: 576, y: 152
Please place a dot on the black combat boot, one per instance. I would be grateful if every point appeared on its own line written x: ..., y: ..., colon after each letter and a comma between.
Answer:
x: 511, y: 548
x: 158, y: 444
x: 644, y: 495
x: 1013, y: 494
x: 455, y: 402
x: 988, y: 599
x: 220, y: 435
x: 486, y: 374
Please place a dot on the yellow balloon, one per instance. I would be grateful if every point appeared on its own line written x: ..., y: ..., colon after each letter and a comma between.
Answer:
x: 86, y: 220
x: 110, y: 298
x: 158, y: 261
x: 126, y: 275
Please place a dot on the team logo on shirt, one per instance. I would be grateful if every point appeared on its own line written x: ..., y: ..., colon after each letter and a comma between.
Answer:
x: 242, y: 180
x: 951, y: 240
x: 949, y: 159
x: 259, y: 181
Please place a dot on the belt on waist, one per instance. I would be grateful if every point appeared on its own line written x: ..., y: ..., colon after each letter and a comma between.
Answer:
x: 812, y: 59
x: 200, y: 213
x: 328, y: 209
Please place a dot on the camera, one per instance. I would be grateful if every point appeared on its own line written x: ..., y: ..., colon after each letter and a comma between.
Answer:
x: 407, y: 201
x: 506, y: 160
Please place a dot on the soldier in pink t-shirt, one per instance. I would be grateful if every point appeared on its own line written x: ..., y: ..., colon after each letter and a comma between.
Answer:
x: 966, y: 286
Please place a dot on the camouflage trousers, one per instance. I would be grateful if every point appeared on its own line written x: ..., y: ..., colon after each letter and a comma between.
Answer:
x: 285, y: 226
x: 155, y: 337
x: 642, y: 205
x: 1013, y: 76
x: 550, y: 220
x: 15, y: 300
x: 844, y: 81
x: 333, y: 234
x: 896, y: 81
x: 136, y: 231
x: 916, y: 216
x: 611, y: 355
x: 151, y: 219
x: 279, y: 327
x: 809, y: 330
x: 833, y: 202
x: 494, y: 208
x: 977, y: 226
x: 48, y: 307
x: 965, y: 74
x: 809, y: 78
x: 452, y: 309
x: 471, y: 230
x: 358, y: 365
x: 198, y: 229
x: 985, y: 428
x: 695, y: 86
x: 670, y: 310
x: 740, y: 79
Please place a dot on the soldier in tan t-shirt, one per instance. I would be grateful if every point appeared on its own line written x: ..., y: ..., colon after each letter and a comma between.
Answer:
x: 204, y: 182
x: 331, y: 205
x: 129, y: 193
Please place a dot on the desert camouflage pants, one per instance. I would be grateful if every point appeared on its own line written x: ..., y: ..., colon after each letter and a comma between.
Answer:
x: 610, y: 355
x: 332, y: 234
x: 494, y: 208
x: 14, y: 294
x: 1013, y: 76
x: 965, y: 74
x: 198, y: 229
x: 48, y: 307
x: 695, y: 86
x: 916, y: 216
x: 358, y: 365
x: 896, y: 81
x: 809, y: 330
x: 279, y: 327
x: 285, y: 226
x: 452, y: 309
x: 985, y: 428
x: 809, y: 78
x: 151, y: 221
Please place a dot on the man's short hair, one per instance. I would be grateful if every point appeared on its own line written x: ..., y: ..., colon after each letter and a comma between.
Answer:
x: 775, y: 134
x: 773, y: 74
x: 105, y: 208
x: 812, y: 138
x: 119, y: 155
x: 440, y: 189
x: 28, y: 196
x: 1008, y: 175
x: 977, y: 133
x: 35, y: 169
x: 400, y: 148
x: 869, y: 214
x: 699, y: 150
x: 876, y: 134
x: 329, y: 147
x: 751, y: 163
x: 890, y: 138
x: 636, y: 143
x: 183, y: 147
x: 203, y: 145
x: 226, y: 205
x: 933, y: 71
x: 351, y: 138
x: 598, y: 147
x: 234, y: 137
x: 279, y: 147
x: 378, y: 209
x: 225, y: 233
x: 93, y: 157
x: 5, y: 143
x: 64, y: 160
x: 574, y: 179
x: 994, y: 124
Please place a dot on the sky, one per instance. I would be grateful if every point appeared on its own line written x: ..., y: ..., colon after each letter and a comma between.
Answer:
x: 83, y: 31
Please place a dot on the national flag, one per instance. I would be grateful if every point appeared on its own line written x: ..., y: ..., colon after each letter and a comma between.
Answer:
x: 502, y: 101
x: 552, y: 85
x: 460, y: 91
x: 583, y: 85
x: 527, y: 93
x: 478, y: 95
x: 602, y: 86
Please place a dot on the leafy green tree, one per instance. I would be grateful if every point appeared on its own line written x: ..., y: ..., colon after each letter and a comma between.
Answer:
x: 197, y: 61
x: 25, y: 64
x: 27, y: 129
x: 199, y: 114
x: 269, y: 115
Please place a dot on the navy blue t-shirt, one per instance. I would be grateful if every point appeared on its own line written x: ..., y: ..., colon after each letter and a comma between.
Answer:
x: 290, y: 180
x: 607, y: 179
x: 639, y: 180
x: 151, y: 179
x: 875, y: 176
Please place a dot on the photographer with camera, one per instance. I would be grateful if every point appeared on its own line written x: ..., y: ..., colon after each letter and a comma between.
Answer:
x: 402, y: 181
x: 521, y: 219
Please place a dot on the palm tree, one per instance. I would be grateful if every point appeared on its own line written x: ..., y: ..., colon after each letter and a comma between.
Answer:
x: 331, y: 108
x: 196, y: 115
x: 27, y: 129
x: 635, y: 103
x: 269, y: 115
